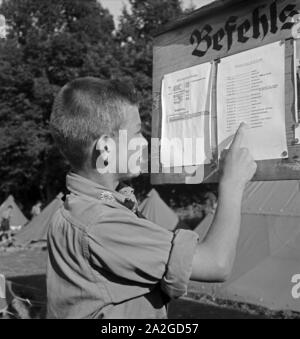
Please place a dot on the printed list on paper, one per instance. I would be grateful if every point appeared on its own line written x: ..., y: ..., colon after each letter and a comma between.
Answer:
x: 251, y: 89
x: 186, y: 107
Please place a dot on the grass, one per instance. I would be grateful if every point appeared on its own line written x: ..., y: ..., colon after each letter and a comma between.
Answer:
x: 247, y: 308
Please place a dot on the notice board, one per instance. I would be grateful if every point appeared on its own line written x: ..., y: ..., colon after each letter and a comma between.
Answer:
x: 209, y: 35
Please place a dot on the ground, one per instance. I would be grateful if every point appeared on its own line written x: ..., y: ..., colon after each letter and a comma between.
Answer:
x: 23, y: 263
x: 186, y: 308
x: 26, y: 269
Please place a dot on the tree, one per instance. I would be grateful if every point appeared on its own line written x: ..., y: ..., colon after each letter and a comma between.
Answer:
x: 50, y: 42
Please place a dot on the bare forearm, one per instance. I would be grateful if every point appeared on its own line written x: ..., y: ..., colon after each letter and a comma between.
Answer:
x: 224, y: 233
x: 214, y: 257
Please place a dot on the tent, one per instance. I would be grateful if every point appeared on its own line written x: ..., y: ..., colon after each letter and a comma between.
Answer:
x: 204, y: 226
x: 268, y: 252
x: 17, y: 217
x: 37, y: 228
x: 270, y: 282
x: 157, y: 211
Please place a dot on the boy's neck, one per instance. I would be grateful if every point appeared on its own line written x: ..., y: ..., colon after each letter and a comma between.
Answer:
x: 106, y: 180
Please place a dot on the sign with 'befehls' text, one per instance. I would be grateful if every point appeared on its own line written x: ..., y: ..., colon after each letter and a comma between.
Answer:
x: 264, y: 20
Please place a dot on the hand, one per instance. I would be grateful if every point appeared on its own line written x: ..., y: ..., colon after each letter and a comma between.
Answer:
x: 239, y: 166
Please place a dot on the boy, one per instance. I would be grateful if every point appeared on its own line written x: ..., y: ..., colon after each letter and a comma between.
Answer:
x: 5, y: 221
x: 5, y: 230
x: 104, y: 260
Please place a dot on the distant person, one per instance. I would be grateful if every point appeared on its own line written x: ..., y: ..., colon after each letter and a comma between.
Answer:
x: 6, y: 216
x: 5, y: 234
x: 36, y: 209
x: 104, y: 260
x: 211, y: 203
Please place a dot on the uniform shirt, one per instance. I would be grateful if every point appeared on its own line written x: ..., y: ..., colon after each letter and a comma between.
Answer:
x: 106, y: 262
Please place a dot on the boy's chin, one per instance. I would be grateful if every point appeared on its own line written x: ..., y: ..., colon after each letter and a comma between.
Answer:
x: 128, y: 176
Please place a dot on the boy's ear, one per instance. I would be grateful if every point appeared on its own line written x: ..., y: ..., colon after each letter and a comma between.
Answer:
x: 105, y: 145
x: 104, y: 152
x: 98, y: 150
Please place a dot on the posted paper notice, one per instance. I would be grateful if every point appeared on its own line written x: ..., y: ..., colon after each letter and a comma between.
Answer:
x: 186, y: 107
x: 251, y: 89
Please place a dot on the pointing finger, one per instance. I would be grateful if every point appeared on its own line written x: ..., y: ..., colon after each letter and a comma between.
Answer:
x: 239, y: 137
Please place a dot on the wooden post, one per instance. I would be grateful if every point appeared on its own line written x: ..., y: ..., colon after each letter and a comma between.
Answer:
x: 3, y: 303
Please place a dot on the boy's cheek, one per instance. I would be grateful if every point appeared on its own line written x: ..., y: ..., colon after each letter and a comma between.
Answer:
x: 138, y: 161
x: 132, y: 156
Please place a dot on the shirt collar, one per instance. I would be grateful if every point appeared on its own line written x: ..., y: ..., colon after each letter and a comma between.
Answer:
x: 79, y: 185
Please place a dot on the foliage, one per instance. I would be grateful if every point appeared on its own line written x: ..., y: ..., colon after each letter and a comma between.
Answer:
x: 50, y: 42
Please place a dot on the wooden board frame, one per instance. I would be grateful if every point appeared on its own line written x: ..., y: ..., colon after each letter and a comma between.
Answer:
x: 174, y: 50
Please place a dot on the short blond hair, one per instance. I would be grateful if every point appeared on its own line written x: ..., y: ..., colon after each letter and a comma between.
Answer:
x: 84, y: 110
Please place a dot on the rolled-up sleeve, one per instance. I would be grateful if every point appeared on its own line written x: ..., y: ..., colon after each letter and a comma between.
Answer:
x: 142, y: 252
x: 179, y: 267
